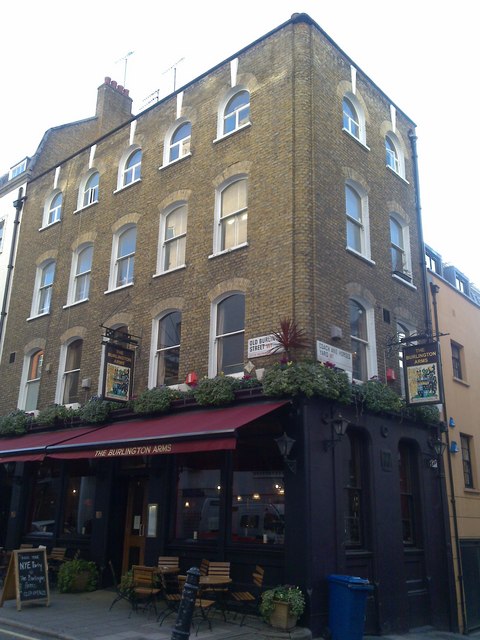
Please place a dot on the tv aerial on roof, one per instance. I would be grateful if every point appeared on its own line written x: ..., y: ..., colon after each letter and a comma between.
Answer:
x: 125, y: 59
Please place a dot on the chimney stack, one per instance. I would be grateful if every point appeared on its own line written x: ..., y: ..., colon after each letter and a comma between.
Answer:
x: 114, y: 105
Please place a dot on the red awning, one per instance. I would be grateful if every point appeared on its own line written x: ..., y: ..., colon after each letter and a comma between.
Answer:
x: 184, y: 432
x: 33, y: 446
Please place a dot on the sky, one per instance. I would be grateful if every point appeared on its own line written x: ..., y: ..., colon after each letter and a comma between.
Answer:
x: 422, y: 54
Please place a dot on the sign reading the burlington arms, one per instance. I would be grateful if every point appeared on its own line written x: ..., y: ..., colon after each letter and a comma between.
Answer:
x: 118, y: 372
x: 421, y: 374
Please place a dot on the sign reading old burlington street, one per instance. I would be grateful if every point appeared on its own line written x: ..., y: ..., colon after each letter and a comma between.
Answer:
x: 119, y: 363
x: 422, y: 382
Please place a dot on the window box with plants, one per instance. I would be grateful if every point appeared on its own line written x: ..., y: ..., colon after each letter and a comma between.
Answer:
x: 282, y: 606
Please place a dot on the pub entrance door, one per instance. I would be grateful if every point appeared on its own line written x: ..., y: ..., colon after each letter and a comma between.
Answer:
x: 135, y: 522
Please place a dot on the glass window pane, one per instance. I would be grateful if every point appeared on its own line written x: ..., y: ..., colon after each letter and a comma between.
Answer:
x: 126, y: 243
x: 234, y: 197
x: 231, y: 354
x: 79, y: 505
x: 170, y: 330
x: 231, y: 314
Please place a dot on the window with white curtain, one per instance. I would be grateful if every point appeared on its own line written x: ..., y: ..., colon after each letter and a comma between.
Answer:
x: 174, y: 231
x: 232, y: 215
x: 125, y: 256
x: 71, y: 372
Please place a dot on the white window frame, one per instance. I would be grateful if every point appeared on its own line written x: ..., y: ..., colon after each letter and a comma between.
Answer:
x: 404, y: 329
x: 49, y: 209
x: 214, y: 337
x: 181, y: 146
x: 114, y: 262
x: 395, y: 158
x: 155, y: 351
x: 370, y: 342
x: 236, y: 113
x: 133, y: 173
x: 74, y: 275
x: 63, y: 373
x: 26, y: 382
x: 164, y: 241
x: 90, y: 193
x: 363, y: 224
x: 407, y: 256
x: 40, y: 288
x: 351, y: 124
x: 17, y: 169
x: 220, y: 220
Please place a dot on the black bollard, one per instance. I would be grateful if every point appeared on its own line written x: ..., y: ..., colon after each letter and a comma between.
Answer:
x: 181, y: 630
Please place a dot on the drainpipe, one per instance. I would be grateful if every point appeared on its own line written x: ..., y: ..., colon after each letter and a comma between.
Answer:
x: 423, y: 267
x: 18, y: 204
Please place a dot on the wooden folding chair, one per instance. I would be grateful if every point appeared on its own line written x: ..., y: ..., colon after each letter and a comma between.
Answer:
x: 171, y: 562
x: 249, y: 600
x: 144, y: 587
x: 55, y: 559
x: 121, y: 594
x: 171, y: 594
x: 204, y: 567
x: 202, y: 606
x: 219, y: 591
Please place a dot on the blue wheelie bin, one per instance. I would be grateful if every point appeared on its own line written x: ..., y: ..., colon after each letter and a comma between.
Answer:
x: 346, y: 607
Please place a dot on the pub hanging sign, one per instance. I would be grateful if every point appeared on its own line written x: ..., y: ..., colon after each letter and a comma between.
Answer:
x: 118, y: 374
x: 422, y: 377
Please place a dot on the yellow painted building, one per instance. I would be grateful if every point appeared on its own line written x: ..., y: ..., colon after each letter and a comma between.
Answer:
x: 455, y: 304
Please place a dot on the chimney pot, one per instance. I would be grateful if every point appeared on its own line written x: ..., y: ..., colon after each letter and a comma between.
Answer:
x: 120, y: 88
x: 107, y: 80
x: 113, y: 84
x: 126, y: 92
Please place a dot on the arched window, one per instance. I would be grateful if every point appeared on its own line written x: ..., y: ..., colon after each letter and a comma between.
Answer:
x: 394, y: 156
x: 400, y: 248
x: 228, y: 335
x: 180, y: 142
x: 237, y: 112
x: 43, y: 289
x: 34, y: 364
x: 90, y: 191
x: 354, y: 118
x: 168, y: 349
x: 81, y: 272
x: 124, y: 265
x: 174, y: 231
x: 54, y: 212
x: 132, y: 168
x: 71, y: 372
x: 232, y: 215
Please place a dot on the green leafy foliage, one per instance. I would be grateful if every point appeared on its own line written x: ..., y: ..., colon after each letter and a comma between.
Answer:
x: 95, y: 411
x: 306, y: 378
x: 290, y: 594
x: 77, y: 575
x: 216, y: 391
x: 157, y: 400
x: 56, y: 414
x: 377, y: 397
x: 15, y: 423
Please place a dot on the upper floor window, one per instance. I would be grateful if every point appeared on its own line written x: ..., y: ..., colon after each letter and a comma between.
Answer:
x: 237, y: 112
x: 180, y: 142
x: 362, y: 334
x: 457, y: 357
x: 125, y: 242
x: 132, y: 168
x: 173, y: 237
x: 433, y: 262
x: 81, y: 272
x: 16, y: 170
x: 168, y: 349
x: 350, y: 118
x: 90, y: 192
x: 228, y: 335
x: 2, y: 231
x: 391, y: 155
x: 53, y: 208
x: 397, y: 247
x: 232, y: 215
x: 356, y: 207
x: 466, y: 461
x: 354, y: 118
x: 70, y: 391
x: 34, y: 363
x: 43, y: 289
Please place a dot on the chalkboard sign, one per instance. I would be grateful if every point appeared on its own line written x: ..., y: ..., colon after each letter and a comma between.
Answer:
x: 27, y: 577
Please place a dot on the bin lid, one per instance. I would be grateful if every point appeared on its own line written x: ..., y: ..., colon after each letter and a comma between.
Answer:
x: 347, y: 579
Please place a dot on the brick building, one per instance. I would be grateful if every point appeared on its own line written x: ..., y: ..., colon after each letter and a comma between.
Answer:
x: 280, y: 184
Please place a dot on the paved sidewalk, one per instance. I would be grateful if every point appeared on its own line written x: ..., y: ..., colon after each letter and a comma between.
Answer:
x: 86, y: 616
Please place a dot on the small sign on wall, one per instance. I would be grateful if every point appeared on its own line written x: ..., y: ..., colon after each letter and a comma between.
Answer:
x: 338, y: 357
x: 263, y: 346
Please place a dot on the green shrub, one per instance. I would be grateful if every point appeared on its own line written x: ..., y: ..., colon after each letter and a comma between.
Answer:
x: 71, y: 576
x: 216, y: 391
x: 306, y: 378
x: 56, y: 413
x: 96, y: 411
x: 15, y: 423
x: 155, y: 400
x: 290, y: 594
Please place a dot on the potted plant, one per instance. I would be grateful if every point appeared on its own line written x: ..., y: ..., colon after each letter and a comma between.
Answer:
x: 77, y: 575
x: 282, y: 606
